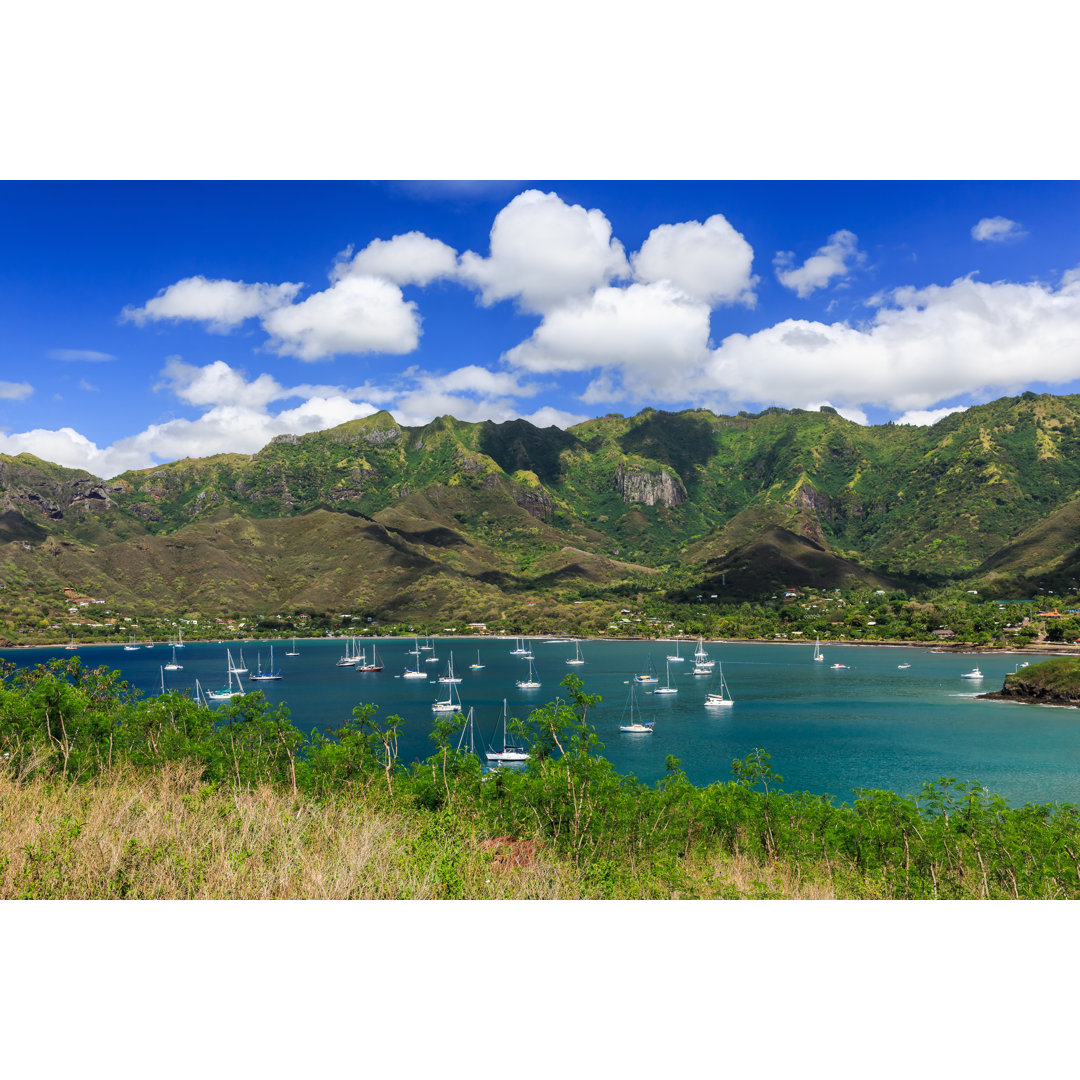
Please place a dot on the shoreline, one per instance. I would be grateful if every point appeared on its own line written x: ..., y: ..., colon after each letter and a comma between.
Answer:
x: 932, y: 646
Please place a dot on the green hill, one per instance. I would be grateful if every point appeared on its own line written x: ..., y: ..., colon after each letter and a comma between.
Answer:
x: 408, y: 519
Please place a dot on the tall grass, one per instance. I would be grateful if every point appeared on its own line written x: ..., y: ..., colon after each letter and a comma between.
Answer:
x: 164, y: 835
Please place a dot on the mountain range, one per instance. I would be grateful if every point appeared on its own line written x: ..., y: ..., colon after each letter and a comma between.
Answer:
x: 402, y: 521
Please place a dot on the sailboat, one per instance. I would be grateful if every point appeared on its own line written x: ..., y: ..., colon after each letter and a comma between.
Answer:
x: 818, y: 654
x: 72, y: 646
x: 351, y: 655
x: 648, y: 675
x: 450, y: 677
x: 677, y: 659
x: 376, y: 662
x: 427, y: 646
x: 667, y: 688
x: 451, y: 704
x: 241, y: 668
x: 227, y: 692
x: 532, y: 682
x: 131, y: 646
x: 507, y: 753
x: 577, y: 658
x: 414, y: 673
x: 477, y: 666
x: 293, y: 651
x: 634, y: 726
x: 260, y: 675
x: 172, y: 665
x: 721, y: 696
x: 702, y: 664
x: 519, y: 649
x: 415, y: 650
x: 468, y: 729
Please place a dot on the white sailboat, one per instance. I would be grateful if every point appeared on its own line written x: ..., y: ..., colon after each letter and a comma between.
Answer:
x: 519, y: 648
x: 818, y: 654
x: 414, y: 673
x: 577, y: 658
x: 293, y: 651
x: 351, y: 656
x: 649, y: 674
x: 532, y: 682
x: 677, y: 659
x: 227, y: 692
x: 260, y: 675
x: 633, y: 725
x: 241, y: 667
x: 468, y: 729
x: 72, y: 646
x: 702, y: 664
x: 376, y: 661
x: 131, y: 646
x: 449, y: 677
x: 451, y: 704
x: 172, y: 665
x: 722, y: 695
x: 508, y: 752
x: 667, y: 688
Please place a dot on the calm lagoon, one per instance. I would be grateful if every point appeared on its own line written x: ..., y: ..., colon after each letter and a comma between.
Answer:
x: 869, y: 725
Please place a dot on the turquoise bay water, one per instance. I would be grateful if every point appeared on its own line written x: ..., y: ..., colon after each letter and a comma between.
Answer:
x: 829, y: 731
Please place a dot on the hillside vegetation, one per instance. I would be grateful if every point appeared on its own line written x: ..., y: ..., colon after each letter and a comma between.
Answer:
x: 410, y: 522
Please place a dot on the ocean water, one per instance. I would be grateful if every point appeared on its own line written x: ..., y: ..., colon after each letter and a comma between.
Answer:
x: 870, y: 725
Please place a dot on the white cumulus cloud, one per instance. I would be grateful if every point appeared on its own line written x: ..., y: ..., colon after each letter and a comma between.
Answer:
x: 237, y: 419
x: 997, y: 230
x: 543, y: 252
x: 710, y: 262
x: 238, y: 413
x: 834, y: 259
x: 651, y: 338
x: 221, y: 304
x: 468, y: 393
x: 357, y: 314
x: 218, y: 384
x: 409, y: 259
x: 923, y: 346
x: 926, y: 417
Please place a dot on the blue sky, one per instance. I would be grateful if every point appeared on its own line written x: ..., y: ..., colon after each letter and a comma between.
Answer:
x: 146, y: 321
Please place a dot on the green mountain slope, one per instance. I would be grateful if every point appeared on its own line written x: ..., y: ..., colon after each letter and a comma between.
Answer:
x: 374, y: 512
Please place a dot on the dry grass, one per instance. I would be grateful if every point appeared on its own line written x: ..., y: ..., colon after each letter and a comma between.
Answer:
x: 746, y: 878
x: 165, y: 836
